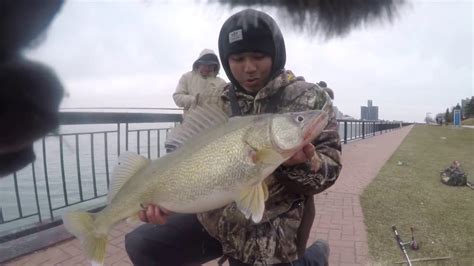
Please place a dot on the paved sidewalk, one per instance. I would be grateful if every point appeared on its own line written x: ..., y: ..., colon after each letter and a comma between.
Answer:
x: 339, y: 217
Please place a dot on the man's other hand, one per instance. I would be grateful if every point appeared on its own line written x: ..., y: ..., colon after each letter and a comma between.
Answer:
x: 307, y: 153
x: 154, y: 214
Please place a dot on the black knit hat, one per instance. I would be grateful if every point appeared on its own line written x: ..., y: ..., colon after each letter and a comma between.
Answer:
x: 251, y: 31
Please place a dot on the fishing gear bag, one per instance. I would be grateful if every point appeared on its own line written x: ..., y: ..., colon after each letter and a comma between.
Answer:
x: 454, y: 175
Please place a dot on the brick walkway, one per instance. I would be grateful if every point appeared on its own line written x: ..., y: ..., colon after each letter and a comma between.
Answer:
x: 339, y: 217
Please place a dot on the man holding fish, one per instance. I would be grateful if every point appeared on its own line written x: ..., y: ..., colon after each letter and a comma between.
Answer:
x: 239, y: 188
x: 253, y: 58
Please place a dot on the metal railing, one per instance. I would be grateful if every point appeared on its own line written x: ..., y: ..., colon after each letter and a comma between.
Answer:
x: 73, y: 169
x: 350, y: 130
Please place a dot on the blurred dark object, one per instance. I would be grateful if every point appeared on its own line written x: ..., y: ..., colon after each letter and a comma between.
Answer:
x: 30, y: 93
x: 22, y: 22
x: 14, y: 161
x: 328, y: 17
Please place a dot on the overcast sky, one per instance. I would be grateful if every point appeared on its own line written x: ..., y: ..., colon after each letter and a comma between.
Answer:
x: 132, y: 54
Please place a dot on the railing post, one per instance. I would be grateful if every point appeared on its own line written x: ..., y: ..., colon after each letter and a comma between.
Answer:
x: 106, y: 158
x: 46, y: 179
x: 363, y: 130
x: 118, y: 139
x: 126, y: 136
x: 345, y: 132
x: 35, y: 184
x: 158, y: 152
x: 138, y: 141
x: 17, y: 194
x: 94, y: 180
x: 63, y: 175
x: 148, y: 138
x: 359, y: 129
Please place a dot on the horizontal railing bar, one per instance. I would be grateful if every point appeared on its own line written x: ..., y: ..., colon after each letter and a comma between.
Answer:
x: 146, y: 129
x: 31, y: 230
x: 122, y: 108
x: 20, y: 218
x: 40, y: 227
x: 81, y: 133
x: 76, y: 118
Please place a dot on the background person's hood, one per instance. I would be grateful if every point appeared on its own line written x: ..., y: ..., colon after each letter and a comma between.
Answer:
x: 207, y: 56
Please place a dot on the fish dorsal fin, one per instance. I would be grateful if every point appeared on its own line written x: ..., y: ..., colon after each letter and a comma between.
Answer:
x: 251, y: 202
x: 129, y: 164
x: 196, y: 121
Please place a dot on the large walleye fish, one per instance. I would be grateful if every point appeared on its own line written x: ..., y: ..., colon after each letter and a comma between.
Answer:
x: 220, y: 161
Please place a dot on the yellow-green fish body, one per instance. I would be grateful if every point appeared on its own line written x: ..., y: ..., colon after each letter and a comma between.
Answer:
x: 220, y: 161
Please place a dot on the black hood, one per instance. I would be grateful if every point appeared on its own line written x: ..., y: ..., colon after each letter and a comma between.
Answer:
x: 251, y: 31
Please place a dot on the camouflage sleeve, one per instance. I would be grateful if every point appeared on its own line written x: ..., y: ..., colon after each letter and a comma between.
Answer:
x: 301, y: 178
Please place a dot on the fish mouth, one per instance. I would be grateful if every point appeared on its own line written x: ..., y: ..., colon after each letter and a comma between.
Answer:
x: 311, y: 129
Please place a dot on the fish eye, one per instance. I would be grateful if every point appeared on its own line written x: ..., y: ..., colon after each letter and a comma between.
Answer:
x: 299, y: 118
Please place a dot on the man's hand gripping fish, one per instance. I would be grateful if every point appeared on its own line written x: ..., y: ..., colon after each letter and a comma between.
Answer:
x: 220, y: 161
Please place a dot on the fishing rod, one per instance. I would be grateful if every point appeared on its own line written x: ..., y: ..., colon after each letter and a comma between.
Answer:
x: 402, y: 244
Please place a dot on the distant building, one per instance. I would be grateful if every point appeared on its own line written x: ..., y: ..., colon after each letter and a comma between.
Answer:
x: 369, y: 112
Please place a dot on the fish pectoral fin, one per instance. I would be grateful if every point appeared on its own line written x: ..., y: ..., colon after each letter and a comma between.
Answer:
x: 251, y: 202
x: 268, y: 156
x: 128, y: 165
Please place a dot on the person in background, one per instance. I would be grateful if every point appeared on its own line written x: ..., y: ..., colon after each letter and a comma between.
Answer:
x: 197, y: 86
x: 253, y: 55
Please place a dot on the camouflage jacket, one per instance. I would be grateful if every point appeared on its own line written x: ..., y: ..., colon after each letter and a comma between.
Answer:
x: 273, y: 240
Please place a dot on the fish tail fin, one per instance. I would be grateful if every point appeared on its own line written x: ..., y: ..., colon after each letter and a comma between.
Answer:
x: 81, y: 225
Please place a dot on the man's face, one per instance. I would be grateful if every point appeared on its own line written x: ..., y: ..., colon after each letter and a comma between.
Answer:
x: 251, y: 70
x: 206, y: 70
